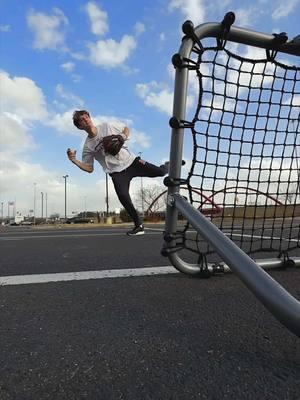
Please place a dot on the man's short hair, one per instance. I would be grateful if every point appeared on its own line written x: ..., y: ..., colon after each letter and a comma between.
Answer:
x: 76, y: 117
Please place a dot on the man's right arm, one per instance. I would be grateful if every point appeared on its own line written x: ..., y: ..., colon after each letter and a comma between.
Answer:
x: 84, y: 166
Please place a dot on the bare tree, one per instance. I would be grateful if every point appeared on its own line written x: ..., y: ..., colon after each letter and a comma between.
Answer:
x: 148, y: 194
x: 289, y: 195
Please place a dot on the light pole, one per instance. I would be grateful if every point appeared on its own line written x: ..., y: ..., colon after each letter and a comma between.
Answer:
x: 1, y: 211
x: 46, y: 206
x: 142, y: 188
x: 42, y: 194
x: 106, y: 198
x: 65, y: 178
x: 34, y: 202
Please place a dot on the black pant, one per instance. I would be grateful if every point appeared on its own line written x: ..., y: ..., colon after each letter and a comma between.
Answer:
x: 121, y: 181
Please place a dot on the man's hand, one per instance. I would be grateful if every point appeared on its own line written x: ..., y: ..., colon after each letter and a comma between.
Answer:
x: 72, y: 157
x: 71, y: 154
x: 126, y: 132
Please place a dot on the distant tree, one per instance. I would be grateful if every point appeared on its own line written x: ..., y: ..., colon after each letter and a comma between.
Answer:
x: 289, y: 194
x: 125, y: 217
x: 148, y: 194
x: 54, y: 216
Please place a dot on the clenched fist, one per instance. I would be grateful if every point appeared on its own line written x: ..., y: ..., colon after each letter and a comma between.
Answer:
x: 71, y: 154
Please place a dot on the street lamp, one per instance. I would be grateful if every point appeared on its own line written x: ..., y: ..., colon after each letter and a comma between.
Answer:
x: 46, y: 206
x: 65, y: 178
x: 42, y: 194
x: 106, y: 198
x: 34, y: 203
x: 142, y: 188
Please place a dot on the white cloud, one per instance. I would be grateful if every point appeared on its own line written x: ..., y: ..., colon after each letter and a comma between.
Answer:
x: 139, y: 28
x: 98, y: 18
x: 5, y: 28
x: 109, y: 53
x: 71, y: 98
x: 21, y: 96
x: 14, y: 135
x: 62, y: 122
x: 68, y: 66
x: 162, y: 37
x: 156, y: 95
x: 191, y: 9
x: 16, y: 173
x: 140, y: 139
x: 47, y: 29
x: 160, y: 97
x: 284, y: 9
x: 246, y: 16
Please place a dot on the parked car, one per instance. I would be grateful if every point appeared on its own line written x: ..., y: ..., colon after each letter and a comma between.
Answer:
x: 77, y: 220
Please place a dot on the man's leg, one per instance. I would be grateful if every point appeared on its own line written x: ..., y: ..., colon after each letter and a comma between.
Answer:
x: 145, y: 169
x: 121, y: 181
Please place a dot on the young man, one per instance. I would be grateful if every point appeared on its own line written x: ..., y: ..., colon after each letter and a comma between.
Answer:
x: 122, y: 167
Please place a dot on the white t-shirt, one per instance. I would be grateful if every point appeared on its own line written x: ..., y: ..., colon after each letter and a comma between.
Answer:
x: 93, y: 149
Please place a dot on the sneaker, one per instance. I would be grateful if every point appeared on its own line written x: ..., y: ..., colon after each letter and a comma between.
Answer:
x: 137, y: 230
x: 166, y: 166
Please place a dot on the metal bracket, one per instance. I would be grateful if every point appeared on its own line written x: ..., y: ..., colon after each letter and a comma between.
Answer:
x: 182, y: 62
x: 279, y: 39
x: 172, y: 182
x: 166, y: 251
x: 169, y: 237
x: 228, y: 20
x: 170, y: 200
x: 189, y: 31
x: 176, y: 123
x: 287, y: 262
x: 218, y: 269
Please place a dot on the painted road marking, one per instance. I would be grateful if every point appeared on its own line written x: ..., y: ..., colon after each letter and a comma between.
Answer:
x: 78, y: 235
x: 84, y: 275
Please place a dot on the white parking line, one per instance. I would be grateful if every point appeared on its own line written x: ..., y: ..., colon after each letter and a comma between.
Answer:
x: 262, y: 237
x: 84, y: 275
x: 78, y: 235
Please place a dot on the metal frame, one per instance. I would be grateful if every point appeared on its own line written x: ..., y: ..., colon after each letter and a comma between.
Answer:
x: 274, y: 297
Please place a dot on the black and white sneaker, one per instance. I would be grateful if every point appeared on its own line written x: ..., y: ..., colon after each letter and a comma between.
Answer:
x: 137, y: 230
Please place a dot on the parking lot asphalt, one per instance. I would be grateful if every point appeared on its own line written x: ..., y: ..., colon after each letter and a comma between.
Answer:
x: 164, y: 336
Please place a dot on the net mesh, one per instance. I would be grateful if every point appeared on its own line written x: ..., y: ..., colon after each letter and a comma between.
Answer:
x: 244, y: 174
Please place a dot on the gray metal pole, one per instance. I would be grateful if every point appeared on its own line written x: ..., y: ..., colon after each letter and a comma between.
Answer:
x: 106, y: 198
x: 46, y: 206
x: 42, y: 194
x: 176, y: 149
x: 65, y: 178
x: 142, y: 188
x: 34, y: 203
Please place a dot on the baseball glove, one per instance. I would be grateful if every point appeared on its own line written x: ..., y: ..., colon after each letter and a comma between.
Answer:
x: 112, y: 144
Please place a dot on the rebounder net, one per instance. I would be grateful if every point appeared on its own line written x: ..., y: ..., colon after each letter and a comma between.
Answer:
x: 244, y: 172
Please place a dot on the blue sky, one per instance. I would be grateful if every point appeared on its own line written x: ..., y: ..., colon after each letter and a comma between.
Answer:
x: 110, y: 57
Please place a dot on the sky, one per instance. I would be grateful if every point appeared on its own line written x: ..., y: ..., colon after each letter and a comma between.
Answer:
x: 112, y: 58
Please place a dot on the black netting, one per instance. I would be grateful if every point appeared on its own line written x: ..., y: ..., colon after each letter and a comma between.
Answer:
x: 244, y: 174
